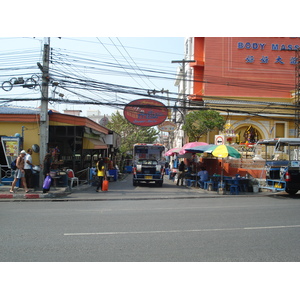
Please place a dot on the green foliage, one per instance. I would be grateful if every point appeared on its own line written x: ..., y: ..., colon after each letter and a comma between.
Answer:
x: 200, y: 122
x: 130, y: 133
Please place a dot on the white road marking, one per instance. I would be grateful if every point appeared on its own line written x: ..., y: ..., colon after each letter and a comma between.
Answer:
x: 272, y: 227
x: 179, y: 231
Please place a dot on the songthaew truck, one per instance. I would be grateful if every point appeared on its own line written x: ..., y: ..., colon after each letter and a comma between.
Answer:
x: 282, y: 163
x: 148, y: 164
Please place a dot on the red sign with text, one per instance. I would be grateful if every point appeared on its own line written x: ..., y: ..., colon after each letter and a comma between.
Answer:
x: 145, y: 112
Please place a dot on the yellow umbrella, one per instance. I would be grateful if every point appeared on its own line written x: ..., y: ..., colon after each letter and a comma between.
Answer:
x: 224, y: 151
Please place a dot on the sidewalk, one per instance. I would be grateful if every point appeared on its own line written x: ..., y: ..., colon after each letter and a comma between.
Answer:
x: 32, y: 194
x: 118, y: 190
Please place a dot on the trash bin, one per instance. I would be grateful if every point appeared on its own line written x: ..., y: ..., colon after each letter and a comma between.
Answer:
x: 255, y: 188
x: 36, y: 179
x: 113, y: 172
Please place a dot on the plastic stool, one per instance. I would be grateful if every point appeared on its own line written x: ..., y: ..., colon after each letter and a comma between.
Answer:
x: 189, y: 182
x: 208, y: 185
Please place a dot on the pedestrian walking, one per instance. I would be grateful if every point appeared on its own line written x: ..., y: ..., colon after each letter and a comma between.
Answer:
x: 20, y: 173
x: 100, y: 173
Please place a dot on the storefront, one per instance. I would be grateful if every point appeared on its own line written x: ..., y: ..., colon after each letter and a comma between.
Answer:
x: 74, y: 142
x: 249, y: 80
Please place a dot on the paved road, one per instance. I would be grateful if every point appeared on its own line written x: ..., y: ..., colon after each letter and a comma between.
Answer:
x: 148, y: 228
x: 124, y: 189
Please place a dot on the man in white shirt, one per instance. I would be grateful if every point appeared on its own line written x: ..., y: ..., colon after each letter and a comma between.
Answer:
x: 28, y: 169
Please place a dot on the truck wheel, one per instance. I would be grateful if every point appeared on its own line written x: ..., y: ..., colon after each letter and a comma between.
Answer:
x: 160, y: 183
x: 291, y: 191
x: 134, y: 183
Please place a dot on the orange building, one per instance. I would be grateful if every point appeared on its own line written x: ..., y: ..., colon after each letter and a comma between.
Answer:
x: 249, y: 80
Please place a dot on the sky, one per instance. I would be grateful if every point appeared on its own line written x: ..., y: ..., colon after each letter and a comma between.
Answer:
x: 124, y: 34
x: 129, y: 59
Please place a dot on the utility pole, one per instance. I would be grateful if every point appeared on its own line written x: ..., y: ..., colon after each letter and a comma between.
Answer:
x: 297, y: 92
x: 183, y: 62
x: 169, y: 113
x: 297, y: 96
x: 44, y: 118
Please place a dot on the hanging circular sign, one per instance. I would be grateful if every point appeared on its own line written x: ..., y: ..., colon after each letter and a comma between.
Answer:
x: 36, y: 148
x: 145, y: 112
x: 103, y: 121
x: 167, y: 126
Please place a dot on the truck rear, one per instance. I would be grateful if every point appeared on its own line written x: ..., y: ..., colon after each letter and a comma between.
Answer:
x: 148, y: 164
x: 282, y: 163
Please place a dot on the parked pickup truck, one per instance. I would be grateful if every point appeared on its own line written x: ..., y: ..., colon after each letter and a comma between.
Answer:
x: 282, y: 163
x: 148, y: 166
x: 148, y: 171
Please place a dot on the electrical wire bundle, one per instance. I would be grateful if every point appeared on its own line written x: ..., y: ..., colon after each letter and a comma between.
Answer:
x: 75, y: 79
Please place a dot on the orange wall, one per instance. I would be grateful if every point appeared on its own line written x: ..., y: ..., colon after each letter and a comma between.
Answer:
x: 214, y: 166
x: 227, y: 72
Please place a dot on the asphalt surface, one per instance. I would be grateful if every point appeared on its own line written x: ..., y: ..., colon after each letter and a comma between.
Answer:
x: 150, y: 224
x: 203, y: 229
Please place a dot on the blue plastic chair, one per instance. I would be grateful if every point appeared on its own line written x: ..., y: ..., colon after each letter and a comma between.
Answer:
x: 235, y: 188
x: 190, y: 182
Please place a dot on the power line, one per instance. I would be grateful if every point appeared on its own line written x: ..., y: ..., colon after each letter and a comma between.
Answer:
x: 129, y: 63
x: 66, y: 66
x: 117, y: 60
x: 135, y: 62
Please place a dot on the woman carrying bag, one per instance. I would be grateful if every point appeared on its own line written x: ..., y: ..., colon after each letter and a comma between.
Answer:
x: 100, y: 173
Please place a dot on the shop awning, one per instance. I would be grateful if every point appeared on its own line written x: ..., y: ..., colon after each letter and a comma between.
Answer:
x: 89, y: 143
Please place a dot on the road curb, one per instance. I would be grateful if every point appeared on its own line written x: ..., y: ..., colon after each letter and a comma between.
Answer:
x: 10, y: 197
x: 6, y: 196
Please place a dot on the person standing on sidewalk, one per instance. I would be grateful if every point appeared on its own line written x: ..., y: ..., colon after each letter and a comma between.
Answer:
x: 46, y: 168
x: 20, y: 173
x: 28, y: 169
x: 181, y: 170
x: 100, y: 173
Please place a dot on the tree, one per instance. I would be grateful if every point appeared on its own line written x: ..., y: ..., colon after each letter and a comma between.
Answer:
x: 130, y: 133
x: 200, y: 122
